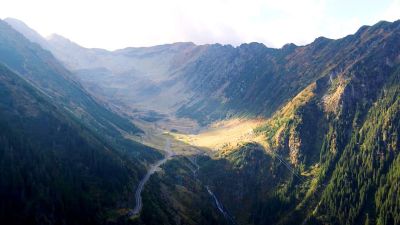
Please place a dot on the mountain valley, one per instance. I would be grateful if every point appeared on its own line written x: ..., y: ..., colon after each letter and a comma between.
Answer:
x: 208, y: 134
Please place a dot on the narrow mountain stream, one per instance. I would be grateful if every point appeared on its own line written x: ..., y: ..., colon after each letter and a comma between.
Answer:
x: 219, y: 205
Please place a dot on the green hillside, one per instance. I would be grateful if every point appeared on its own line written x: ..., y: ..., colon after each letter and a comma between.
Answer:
x: 333, y: 158
x: 54, y: 170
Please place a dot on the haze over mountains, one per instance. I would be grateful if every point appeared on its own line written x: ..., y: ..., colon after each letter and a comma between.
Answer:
x: 322, y: 146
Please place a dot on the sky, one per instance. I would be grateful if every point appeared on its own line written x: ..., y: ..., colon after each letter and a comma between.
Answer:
x: 115, y: 24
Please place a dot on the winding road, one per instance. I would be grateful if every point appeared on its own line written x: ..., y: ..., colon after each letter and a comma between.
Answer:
x: 154, y: 168
x: 151, y: 171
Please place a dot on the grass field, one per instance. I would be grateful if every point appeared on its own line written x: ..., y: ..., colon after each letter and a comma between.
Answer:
x: 224, y: 135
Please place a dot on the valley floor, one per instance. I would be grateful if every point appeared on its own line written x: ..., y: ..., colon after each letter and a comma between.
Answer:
x: 190, y: 147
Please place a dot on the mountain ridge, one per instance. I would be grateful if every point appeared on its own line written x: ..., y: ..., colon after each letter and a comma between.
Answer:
x: 156, y: 79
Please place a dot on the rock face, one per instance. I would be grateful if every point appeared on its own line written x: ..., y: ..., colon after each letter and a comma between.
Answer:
x: 333, y: 142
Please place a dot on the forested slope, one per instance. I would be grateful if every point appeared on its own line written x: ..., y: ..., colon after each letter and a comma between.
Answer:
x: 332, y: 150
x: 54, y: 170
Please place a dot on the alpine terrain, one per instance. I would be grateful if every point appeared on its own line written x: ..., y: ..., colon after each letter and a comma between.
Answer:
x: 200, y: 134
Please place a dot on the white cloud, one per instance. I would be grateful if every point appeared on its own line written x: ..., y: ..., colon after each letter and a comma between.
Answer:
x: 121, y: 23
x: 393, y: 11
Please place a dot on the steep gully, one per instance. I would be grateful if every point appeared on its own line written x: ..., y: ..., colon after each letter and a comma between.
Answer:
x: 218, y: 204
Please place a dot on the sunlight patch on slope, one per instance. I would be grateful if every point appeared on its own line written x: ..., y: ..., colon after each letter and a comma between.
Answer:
x: 276, y: 128
x: 225, y: 135
x: 332, y: 99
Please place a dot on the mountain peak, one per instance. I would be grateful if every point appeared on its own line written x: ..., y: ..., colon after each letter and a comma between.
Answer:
x: 26, y: 31
x: 54, y: 36
x: 10, y: 20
